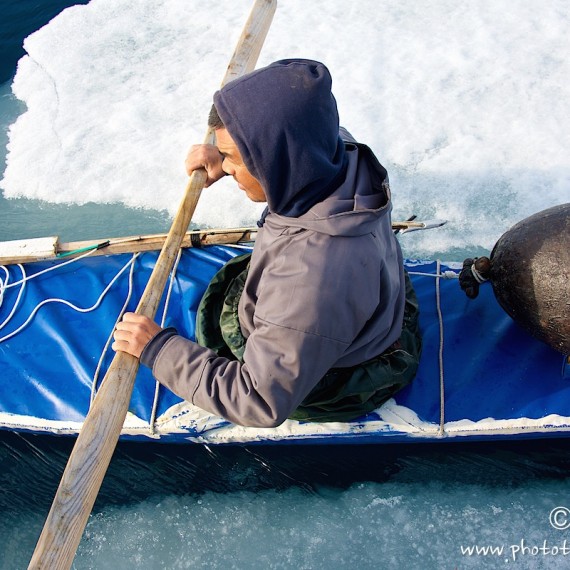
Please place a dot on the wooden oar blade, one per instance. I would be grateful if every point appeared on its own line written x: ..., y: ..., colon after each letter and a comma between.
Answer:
x: 256, y: 27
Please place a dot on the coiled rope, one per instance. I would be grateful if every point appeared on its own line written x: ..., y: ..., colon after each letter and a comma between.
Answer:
x: 23, y: 281
x: 26, y: 278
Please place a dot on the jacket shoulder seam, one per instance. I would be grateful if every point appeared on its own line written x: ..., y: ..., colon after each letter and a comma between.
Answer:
x: 345, y: 343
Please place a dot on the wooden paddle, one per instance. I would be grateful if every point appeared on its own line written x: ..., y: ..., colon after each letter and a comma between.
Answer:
x: 92, y: 452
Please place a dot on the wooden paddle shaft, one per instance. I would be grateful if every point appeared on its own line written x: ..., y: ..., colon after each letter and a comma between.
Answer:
x: 94, y: 447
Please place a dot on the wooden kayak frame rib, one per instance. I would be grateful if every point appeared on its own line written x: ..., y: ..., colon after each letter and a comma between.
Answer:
x: 140, y: 243
x: 154, y: 242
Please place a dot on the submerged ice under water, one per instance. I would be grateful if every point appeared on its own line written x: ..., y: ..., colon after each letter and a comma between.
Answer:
x: 363, y: 507
x: 465, y: 103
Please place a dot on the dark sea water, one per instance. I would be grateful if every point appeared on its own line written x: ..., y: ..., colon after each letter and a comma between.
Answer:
x: 18, y: 19
x: 306, y: 507
x: 295, y: 506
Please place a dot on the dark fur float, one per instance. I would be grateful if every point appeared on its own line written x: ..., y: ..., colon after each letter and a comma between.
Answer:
x: 529, y: 269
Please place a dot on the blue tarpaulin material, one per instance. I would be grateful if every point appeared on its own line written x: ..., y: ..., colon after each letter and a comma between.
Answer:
x: 491, y: 367
x: 49, y: 367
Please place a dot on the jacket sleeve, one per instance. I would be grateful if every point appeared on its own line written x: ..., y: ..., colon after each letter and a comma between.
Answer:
x: 261, y: 392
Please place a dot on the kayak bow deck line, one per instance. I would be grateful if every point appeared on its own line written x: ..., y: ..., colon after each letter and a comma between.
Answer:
x: 42, y: 249
x: 92, y: 452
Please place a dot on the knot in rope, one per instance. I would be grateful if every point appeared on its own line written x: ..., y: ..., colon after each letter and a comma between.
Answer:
x: 475, y: 272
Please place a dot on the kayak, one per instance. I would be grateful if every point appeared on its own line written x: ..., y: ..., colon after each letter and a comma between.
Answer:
x: 481, y: 375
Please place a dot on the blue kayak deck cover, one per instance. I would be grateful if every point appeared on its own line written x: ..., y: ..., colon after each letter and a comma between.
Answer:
x: 481, y: 376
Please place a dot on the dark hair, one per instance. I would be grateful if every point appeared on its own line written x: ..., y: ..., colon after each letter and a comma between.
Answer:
x: 214, y: 121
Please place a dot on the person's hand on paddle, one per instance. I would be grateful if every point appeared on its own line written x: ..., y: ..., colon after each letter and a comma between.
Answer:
x: 133, y: 333
x: 208, y: 157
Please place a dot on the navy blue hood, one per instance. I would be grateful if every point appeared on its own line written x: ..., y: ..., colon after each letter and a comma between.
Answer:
x: 285, y: 123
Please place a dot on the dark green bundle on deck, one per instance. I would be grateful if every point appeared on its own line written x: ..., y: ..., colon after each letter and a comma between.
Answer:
x: 343, y: 393
x: 217, y: 323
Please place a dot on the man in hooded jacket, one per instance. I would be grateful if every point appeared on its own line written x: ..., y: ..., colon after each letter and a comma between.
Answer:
x: 322, y: 301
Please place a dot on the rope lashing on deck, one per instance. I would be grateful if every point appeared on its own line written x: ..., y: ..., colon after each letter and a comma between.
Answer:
x: 26, y: 278
x: 440, y: 353
x: 110, y: 337
x: 3, y: 286
x: 154, y: 408
x: 439, y: 275
x: 475, y: 272
x: 94, y: 386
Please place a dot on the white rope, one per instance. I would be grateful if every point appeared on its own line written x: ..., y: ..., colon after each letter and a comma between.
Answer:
x: 63, y: 301
x: 23, y: 281
x: 445, y: 275
x: 110, y: 337
x: 152, y: 419
x: 53, y: 268
x: 438, y: 275
x: 478, y: 277
x: 440, y: 354
x: 241, y: 246
x: 4, y: 286
x: 3, y: 283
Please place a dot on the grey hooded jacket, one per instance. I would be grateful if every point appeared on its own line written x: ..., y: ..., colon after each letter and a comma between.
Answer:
x: 325, y: 286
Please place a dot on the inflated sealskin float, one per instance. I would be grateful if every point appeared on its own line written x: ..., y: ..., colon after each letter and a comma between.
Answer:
x: 529, y: 269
